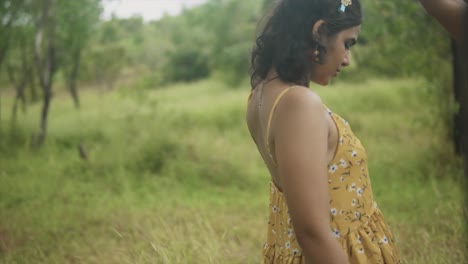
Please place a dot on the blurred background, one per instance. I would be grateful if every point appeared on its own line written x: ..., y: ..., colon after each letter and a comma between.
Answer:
x: 123, y: 140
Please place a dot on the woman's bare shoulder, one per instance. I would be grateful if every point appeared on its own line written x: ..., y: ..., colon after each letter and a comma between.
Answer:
x: 300, y: 98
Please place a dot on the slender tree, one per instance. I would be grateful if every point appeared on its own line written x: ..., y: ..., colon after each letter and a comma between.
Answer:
x: 45, y: 59
x: 78, y: 19
x: 8, y: 13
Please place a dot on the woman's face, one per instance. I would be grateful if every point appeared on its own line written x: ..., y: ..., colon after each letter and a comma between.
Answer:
x: 338, y: 55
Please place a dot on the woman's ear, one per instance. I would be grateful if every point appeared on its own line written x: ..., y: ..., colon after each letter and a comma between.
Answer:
x: 318, y: 30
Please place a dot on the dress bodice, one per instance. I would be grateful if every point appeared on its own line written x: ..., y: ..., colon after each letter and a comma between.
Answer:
x: 355, y: 220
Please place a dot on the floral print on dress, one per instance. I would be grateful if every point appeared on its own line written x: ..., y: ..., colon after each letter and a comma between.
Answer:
x: 355, y: 219
x: 275, y: 209
x: 336, y: 233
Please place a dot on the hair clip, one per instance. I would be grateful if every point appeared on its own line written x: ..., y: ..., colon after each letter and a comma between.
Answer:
x: 344, y: 4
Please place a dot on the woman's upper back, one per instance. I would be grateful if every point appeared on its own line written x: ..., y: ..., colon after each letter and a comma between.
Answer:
x: 270, y: 104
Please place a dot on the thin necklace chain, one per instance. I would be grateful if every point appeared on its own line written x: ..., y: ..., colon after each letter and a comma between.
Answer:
x: 261, y: 90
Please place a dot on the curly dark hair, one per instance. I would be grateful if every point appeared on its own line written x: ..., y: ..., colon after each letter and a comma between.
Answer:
x: 286, y: 41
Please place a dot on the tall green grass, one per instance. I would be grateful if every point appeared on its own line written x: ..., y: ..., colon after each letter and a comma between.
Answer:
x: 173, y: 177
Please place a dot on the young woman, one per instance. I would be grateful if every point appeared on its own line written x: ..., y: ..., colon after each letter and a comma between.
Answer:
x: 321, y: 205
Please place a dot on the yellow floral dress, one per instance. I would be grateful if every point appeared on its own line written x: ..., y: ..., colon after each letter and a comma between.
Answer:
x: 355, y: 220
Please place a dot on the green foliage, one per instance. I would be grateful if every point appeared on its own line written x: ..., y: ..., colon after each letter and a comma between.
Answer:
x: 186, y: 64
x: 233, y: 63
x: 214, y: 37
x: 44, y: 37
x: 108, y: 32
x: 77, y: 21
x: 103, y: 64
x: 150, y: 81
x: 10, y: 11
x: 234, y: 28
x: 399, y: 38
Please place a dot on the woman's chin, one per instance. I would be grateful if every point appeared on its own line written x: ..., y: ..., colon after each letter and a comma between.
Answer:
x: 322, y: 82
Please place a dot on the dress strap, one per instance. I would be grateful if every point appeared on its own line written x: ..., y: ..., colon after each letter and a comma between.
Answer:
x: 270, y: 117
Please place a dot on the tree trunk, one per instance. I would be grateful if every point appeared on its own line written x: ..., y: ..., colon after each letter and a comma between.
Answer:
x: 25, y: 74
x: 4, y: 44
x: 2, y: 56
x: 460, y: 98
x: 32, y: 84
x: 19, y: 88
x: 46, y: 62
x: 44, y: 116
x: 6, y: 24
x: 12, y: 79
x: 74, y: 75
x: 1, y: 113
x: 3, y: 51
x: 464, y: 107
x: 267, y: 5
x: 19, y: 96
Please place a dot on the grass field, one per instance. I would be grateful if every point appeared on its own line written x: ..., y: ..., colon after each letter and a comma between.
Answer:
x: 173, y: 177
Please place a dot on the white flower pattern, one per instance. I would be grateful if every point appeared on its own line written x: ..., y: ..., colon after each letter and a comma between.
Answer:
x: 336, y: 233
x: 357, y: 214
x: 359, y: 192
x: 275, y: 209
x: 342, y: 163
x: 384, y: 240
x: 295, y: 251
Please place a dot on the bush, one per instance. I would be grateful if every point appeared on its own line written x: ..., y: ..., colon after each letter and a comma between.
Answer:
x: 186, y: 64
